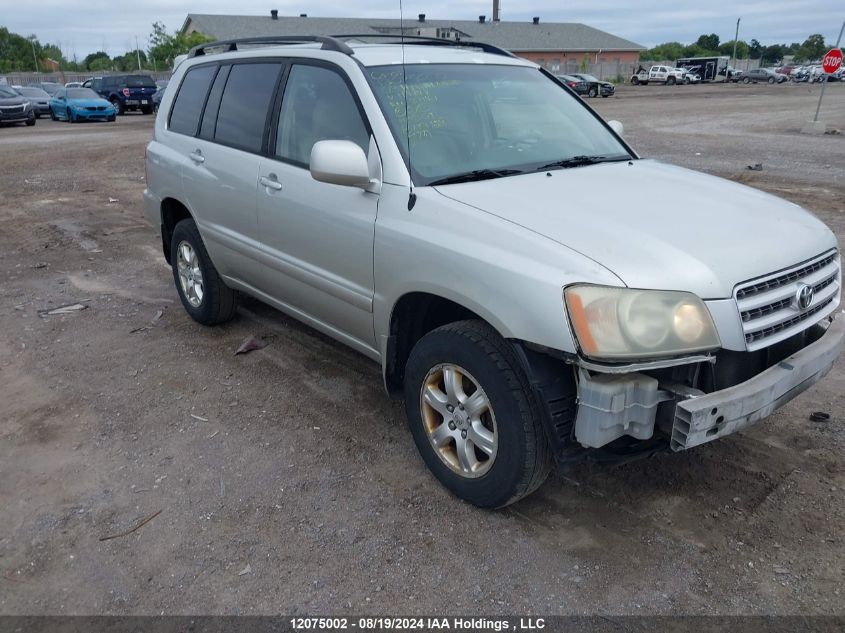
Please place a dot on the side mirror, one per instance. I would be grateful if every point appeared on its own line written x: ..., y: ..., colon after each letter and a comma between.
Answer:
x: 617, y: 127
x: 339, y: 163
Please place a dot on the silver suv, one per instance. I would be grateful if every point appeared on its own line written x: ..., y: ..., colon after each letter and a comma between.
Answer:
x: 461, y: 217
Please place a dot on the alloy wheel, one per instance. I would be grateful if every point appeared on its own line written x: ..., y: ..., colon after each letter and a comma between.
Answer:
x: 459, y: 420
x: 190, y: 274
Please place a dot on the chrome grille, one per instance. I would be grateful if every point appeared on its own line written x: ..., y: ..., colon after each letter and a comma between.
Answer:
x: 769, y: 307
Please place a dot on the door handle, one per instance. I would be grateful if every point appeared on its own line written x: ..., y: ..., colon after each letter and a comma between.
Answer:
x: 197, y: 157
x: 270, y: 183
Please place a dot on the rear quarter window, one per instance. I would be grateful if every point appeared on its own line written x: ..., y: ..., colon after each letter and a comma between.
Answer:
x: 187, y: 107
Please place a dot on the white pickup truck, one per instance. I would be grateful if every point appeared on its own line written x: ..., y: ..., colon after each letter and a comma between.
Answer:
x: 658, y: 74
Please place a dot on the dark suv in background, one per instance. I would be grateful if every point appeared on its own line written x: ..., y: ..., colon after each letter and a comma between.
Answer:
x: 126, y: 92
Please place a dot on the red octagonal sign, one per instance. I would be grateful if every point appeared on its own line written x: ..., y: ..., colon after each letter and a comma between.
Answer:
x: 832, y: 61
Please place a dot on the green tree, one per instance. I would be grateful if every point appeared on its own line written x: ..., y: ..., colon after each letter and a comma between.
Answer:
x: 812, y: 49
x: 165, y: 47
x: 665, y: 51
x: 755, y: 49
x: 96, y: 61
x: 708, y: 42
x: 772, y: 54
x: 16, y: 52
x: 129, y: 60
x: 741, y: 49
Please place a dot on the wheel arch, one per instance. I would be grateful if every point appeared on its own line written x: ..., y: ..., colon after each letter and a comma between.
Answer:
x: 415, y: 314
x: 172, y: 212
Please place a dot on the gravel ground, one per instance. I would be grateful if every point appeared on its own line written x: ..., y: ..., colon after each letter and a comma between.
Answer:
x: 288, y: 483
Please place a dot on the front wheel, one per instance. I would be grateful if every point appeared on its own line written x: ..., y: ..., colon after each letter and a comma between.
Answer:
x: 635, y: 81
x: 69, y: 116
x: 771, y: 80
x: 593, y: 92
x: 671, y: 81
x: 53, y: 115
x: 203, y: 294
x: 473, y: 416
x: 118, y: 106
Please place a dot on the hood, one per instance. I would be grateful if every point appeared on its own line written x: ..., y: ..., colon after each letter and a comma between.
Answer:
x: 654, y: 225
x: 13, y: 101
x: 88, y: 103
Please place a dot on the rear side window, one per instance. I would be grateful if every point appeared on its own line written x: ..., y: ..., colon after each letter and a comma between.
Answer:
x: 245, y: 103
x: 185, y: 115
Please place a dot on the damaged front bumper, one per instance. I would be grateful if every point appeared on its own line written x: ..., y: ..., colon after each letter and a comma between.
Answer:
x: 613, y: 405
x: 708, y: 417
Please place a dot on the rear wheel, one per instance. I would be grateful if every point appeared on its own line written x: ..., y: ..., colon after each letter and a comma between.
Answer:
x: 204, y: 295
x: 635, y: 81
x: 473, y: 416
x: 746, y: 80
x: 593, y: 92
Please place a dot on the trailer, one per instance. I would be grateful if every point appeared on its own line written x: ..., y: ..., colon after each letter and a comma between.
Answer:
x: 708, y: 68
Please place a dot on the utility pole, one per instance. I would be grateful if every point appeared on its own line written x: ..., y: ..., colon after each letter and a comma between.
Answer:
x: 138, y: 52
x: 34, y: 56
x: 736, y: 38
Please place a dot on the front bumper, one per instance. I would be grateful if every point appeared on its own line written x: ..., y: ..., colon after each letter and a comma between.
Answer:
x: 633, y: 403
x: 94, y: 115
x: 18, y: 117
x: 705, y: 418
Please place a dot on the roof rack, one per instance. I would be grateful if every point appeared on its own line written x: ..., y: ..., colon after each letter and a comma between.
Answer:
x: 328, y: 43
x: 429, y: 41
x: 335, y: 43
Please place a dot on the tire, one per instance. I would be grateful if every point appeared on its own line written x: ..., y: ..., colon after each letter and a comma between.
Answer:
x: 671, y: 81
x: 118, y: 106
x: 517, y: 458
x: 687, y: 81
x: 746, y: 80
x: 771, y: 80
x: 215, y: 301
x: 593, y: 92
x: 635, y: 81
x: 69, y: 116
x: 30, y: 122
x: 53, y: 115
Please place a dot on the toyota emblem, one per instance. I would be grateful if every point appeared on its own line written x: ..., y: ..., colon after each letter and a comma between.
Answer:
x: 804, y: 296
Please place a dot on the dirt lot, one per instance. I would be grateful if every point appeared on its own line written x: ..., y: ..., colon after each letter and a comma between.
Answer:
x: 288, y: 483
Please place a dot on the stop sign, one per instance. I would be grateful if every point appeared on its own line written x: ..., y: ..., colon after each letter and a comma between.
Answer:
x: 832, y: 61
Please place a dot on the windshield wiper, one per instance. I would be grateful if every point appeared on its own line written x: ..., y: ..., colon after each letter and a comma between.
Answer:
x: 580, y: 161
x: 474, y: 175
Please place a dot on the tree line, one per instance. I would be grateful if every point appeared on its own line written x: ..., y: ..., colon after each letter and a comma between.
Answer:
x: 23, y: 54
x: 812, y: 49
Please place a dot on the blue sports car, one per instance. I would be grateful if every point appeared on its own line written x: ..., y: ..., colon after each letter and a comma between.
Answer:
x: 80, y: 104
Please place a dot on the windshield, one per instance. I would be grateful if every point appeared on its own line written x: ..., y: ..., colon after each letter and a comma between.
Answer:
x: 7, y: 93
x: 466, y: 118
x: 81, y: 93
x: 139, y: 81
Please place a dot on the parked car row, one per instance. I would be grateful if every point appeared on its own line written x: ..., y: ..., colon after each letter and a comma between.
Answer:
x: 584, y: 84
x: 662, y: 74
x: 96, y: 99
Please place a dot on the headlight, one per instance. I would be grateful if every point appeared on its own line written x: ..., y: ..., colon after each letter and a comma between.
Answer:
x: 621, y: 323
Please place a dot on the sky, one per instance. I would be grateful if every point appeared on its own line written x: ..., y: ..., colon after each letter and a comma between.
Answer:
x: 80, y: 28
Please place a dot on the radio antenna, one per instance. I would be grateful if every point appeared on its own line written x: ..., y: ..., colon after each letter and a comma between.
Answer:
x: 412, y: 197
